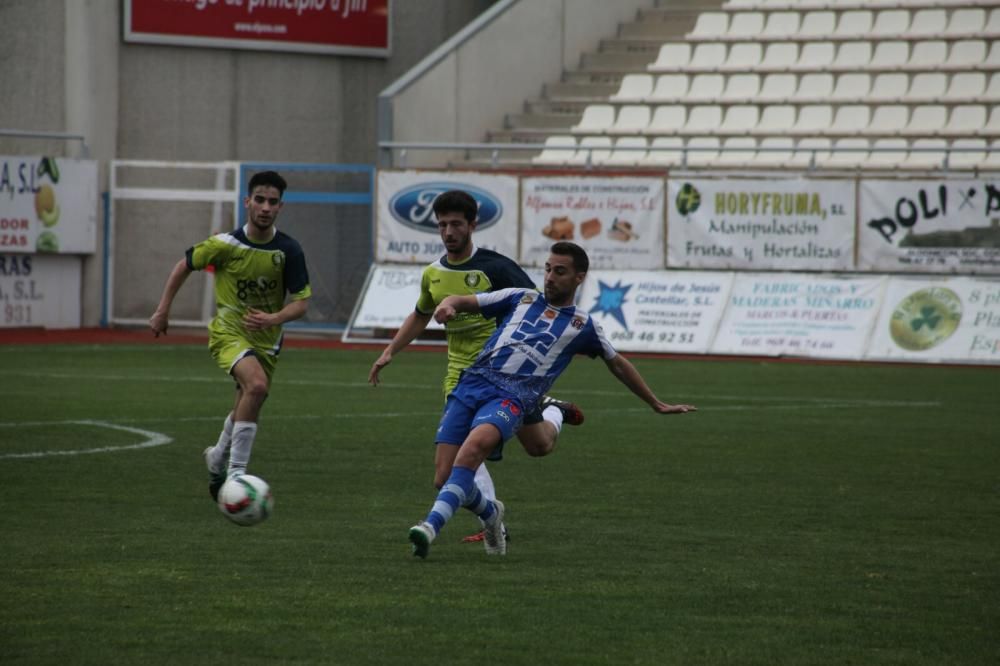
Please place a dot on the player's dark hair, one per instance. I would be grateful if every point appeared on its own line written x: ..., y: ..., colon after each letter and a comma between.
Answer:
x: 267, y: 178
x: 580, y: 261
x: 456, y: 201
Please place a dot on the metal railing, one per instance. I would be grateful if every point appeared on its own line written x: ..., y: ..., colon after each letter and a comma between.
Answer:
x: 38, y: 134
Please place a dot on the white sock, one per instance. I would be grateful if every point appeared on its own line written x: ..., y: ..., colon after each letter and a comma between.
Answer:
x: 221, y: 449
x: 485, y: 483
x: 554, y: 415
x: 244, y: 433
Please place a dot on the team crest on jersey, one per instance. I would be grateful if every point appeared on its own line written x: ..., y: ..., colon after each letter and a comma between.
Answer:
x: 577, y: 323
x: 278, y: 258
x: 472, y: 279
x: 528, y: 298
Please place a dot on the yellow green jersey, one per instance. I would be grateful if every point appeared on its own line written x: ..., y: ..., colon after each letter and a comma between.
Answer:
x: 251, y: 275
x: 485, y: 270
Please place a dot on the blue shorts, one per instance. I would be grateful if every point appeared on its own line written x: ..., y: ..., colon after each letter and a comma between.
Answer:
x: 474, y: 402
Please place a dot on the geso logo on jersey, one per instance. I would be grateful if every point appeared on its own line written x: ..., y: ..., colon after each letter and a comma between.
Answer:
x: 254, y: 288
x: 413, y: 206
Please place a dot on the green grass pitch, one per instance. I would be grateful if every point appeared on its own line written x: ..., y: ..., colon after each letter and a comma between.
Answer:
x: 807, y: 514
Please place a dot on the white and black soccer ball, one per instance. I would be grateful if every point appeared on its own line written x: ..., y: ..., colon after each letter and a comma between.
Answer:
x: 246, y: 500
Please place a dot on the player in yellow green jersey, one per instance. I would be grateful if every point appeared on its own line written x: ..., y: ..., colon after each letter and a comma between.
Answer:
x: 466, y: 269
x: 255, y: 267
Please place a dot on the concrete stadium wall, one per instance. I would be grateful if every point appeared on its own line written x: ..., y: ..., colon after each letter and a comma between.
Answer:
x: 466, y: 86
x: 66, y: 69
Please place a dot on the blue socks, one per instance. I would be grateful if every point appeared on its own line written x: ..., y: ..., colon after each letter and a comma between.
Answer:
x: 459, y: 490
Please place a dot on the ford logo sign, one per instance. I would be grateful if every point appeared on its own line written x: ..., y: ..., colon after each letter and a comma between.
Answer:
x: 412, y: 206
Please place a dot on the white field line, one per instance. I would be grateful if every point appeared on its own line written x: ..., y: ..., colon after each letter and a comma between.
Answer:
x: 152, y: 439
x: 818, y: 401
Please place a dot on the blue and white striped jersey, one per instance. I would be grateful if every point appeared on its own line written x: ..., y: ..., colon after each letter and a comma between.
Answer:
x: 534, y: 342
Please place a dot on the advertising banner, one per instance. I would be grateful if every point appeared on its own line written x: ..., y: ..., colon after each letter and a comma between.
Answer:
x: 799, y: 315
x: 391, y: 296
x: 793, y: 224
x: 618, y: 221
x: 48, y: 205
x: 39, y: 291
x: 351, y: 27
x: 939, y: 319
x: 929, y: 226
x: 656, y: 311
x: 407, y: 230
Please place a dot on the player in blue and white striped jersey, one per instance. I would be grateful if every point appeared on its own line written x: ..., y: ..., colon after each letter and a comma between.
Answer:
x: 537, y: 337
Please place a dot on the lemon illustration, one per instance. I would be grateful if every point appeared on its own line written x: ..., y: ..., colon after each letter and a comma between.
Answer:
x: 46, y: 206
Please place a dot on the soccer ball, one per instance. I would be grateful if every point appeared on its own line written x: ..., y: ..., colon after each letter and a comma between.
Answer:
x: 246, y: 500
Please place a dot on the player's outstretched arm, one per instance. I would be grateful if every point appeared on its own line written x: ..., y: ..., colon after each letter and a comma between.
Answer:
x: 626, y: 373
x: 413, y: 325
x: 160, y: 321
x: 452, y: 305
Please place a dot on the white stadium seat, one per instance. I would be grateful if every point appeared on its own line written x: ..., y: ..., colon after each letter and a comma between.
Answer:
x: 745, y: 25
x: 927, y: 87
x: 710, y: 25
x: 708, y: 56
x: 890, y: 55
x: 664, y: 151
x: 889, y: 87
x: 927, y: 54
x: 992, y: 92
x: 849, y: 119
x: 739, y: 119
x: 965, y: 22
x: 774, y: 151
x: 669, y: 88
x: 741, y: 88
x: 926, y: 154
x: 812, y: 119
x: 965, y: 87
x: 888, y: 153
x: 818, y: 24
x: 966, y: 54
x: 815, y: 56
x: 775, y: 119
x: 702, y: 150
x: 854, y: 24
x: 631, y: 119
x: 737, y: 151
x: 927, y: 22
x: 891, y: 23
x: 623, y: 156
x: 848, y: 153
x: 703, y: 119
x: 816, y: 87
x: 705, y: 87
x: 992, y: 161
x: 888, y: 119
x: 558, y: 149
x: 634, y: 88
x: 780, y: 56
x: 926, y: 119
x: 810, y: 151
x: 592, y: 150
x: 965, y: 120
x: 667, y: 119
x: 967, y: 153
x: 596, y: 119
x: 779, y: 87
x: 852, y: 87
x: 673, y: 56
x: 781, y: 25
x: 742, y: 56
x: 852, y: 56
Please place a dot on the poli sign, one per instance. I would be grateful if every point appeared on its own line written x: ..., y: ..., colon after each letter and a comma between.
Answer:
x: 412, y: 205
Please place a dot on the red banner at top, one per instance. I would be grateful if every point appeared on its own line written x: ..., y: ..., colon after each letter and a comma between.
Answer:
x: 353, y: 27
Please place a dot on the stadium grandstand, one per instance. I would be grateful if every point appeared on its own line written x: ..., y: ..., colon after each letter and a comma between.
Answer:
x: 829, y: 85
